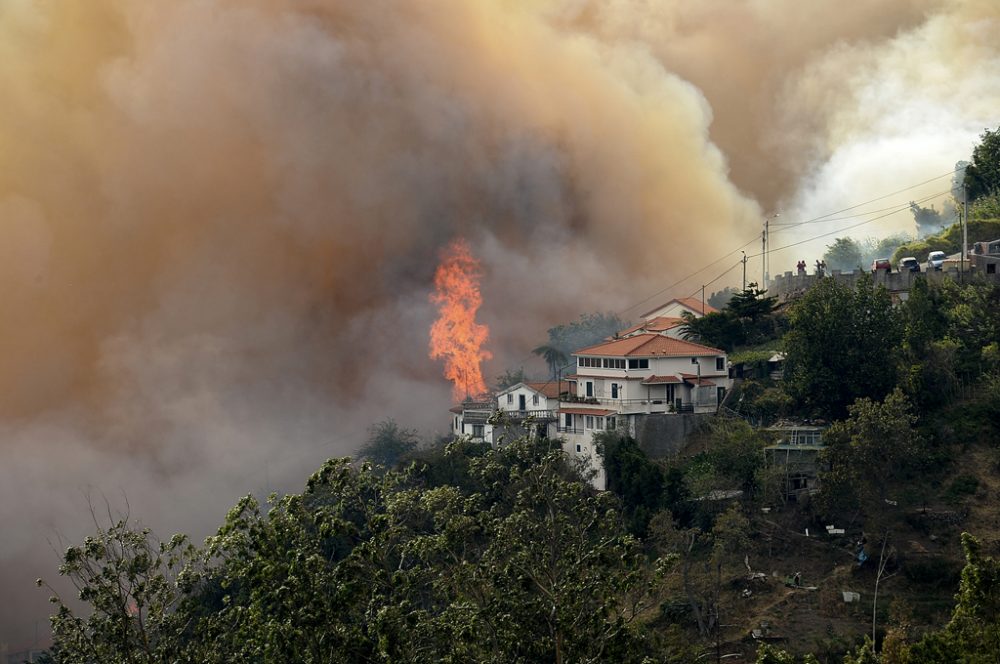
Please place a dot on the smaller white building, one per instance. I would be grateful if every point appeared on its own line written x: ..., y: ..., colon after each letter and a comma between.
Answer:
x: 677, y: 307
x: 472, y: 419
x: 527, y: 409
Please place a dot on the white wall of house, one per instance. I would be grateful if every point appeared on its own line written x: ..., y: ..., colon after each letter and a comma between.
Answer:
x: 623, y: 388
x: 511, y: 399
x: 578, y: 443
x: 672, y: 310
x: 478, y: 432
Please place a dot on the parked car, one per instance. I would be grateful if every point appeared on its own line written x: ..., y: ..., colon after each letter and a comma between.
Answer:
x: 881, y: 264
x: 910, y: 264
x: 935, y: 260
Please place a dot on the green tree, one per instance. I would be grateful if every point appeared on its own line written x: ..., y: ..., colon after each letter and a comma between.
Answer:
x: 928, y: 220
x: 844, y: 254
x: 509, y: 378
x: 840, y: 346
x: 720, y: 299
x: 869, y: 452
x: 518, y: 561
x: 768, y: 654
x: 566, y: 339
x: 865, y: 654
x: 721, y: 329
x: 982, y: 177
x: 388, y: 443
x: 129, y: 581
x: 554, y: 356
x: 973, y: 633
x: 755, y: 311
x: 636, y: 480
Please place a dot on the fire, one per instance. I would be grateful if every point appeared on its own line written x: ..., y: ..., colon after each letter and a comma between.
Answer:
x: 456, y: 337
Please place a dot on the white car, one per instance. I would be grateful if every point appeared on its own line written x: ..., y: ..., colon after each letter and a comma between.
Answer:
x: 935, y: 260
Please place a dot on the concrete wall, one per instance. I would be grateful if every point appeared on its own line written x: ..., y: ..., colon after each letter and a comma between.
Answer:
x: 664, y: 435
x: 790, y: 284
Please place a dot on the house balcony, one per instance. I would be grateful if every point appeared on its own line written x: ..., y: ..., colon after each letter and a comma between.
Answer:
x: 640, y: 406
x: 572, y: 430
x: 536, y: 415
x: 624, y: 406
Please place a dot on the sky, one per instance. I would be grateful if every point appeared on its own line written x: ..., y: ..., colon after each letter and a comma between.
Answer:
x: 220, y: 219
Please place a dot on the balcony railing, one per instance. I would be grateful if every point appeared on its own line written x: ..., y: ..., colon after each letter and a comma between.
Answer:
x: 532, y: 414
x: 577, y: 430
x: 488, y: 406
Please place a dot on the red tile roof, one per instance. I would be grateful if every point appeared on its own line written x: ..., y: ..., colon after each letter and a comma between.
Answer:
x: 658, y: 324
x: 551, y: 388
x: 660, y: 380
x: 661, y: 323
x: 689, y: 302
x: 691, y: 378
x: 649, y: 345
x: 588, y: 411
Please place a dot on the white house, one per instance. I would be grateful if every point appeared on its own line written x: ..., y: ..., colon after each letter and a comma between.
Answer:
x: 620, y: 380
x: 471, y: 418
x: 667, y: 319
x: 677, y: 307
x: 666, y: 325
x: 528, y: 409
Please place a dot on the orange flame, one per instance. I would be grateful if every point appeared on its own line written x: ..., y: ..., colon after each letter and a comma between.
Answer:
x: 456, y: 337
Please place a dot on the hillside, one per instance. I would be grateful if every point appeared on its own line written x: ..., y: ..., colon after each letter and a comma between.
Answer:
x: 949, y: 240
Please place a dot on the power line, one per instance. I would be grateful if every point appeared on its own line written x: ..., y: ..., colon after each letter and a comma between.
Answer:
x: 829, y: 217
x: 902, y: 207
x: 841, y: 230
x: 822, y: 218
x: 888, y: 212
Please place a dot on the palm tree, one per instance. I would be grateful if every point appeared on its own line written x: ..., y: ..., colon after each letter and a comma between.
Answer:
x: 554, y: 356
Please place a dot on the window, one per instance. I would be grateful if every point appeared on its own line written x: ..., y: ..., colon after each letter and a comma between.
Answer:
x: 477, y: 431
x: 614, y: 390
x: 456, y: 423
x: 694, y: 360
x: 590, y: 389
x: 720, y: 364
x: 569, y: 420
x: 510, y: 397
x: 590, y: 362
x: 590, y: 422
x: 598, y: 422
x: 534, y: 399
x: 611, y: 423
x: 612, y: 363
x: 579, y: 448
x: 638, y: 364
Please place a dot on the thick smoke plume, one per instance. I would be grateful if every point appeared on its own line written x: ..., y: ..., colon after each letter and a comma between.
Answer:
x: 220, y: 219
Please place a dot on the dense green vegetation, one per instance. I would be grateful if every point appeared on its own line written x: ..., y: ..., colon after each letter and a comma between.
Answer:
x: 514, y: 560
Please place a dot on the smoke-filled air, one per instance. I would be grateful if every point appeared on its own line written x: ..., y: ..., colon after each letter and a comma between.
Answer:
x: 220, y: 220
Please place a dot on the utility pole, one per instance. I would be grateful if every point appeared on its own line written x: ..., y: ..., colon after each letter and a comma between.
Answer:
x: 767, y: 244
x: 744, y: 270
x: 965, y: 226
x: 763, y: 256
x: 703, y: 299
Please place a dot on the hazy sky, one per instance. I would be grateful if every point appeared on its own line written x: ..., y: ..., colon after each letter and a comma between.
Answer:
x: 219, y: 219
